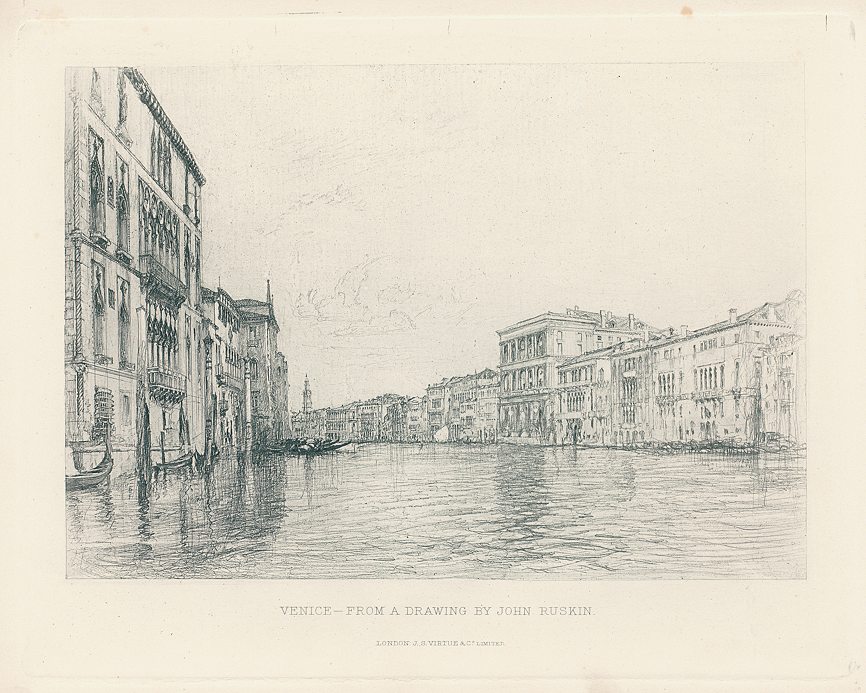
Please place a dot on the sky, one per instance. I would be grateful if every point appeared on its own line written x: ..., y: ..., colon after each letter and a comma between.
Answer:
x: 405, y: 213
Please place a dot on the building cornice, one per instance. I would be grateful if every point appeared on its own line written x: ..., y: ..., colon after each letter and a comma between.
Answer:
x: 148, y: 98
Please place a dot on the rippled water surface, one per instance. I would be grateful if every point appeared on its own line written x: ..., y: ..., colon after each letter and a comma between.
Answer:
x: 413, y: 511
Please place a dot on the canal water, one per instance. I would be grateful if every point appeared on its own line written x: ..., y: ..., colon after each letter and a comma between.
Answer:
x: 450, y: 511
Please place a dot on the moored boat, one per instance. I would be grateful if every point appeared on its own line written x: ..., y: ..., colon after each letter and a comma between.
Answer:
x: 92, y: 477
x: 177, y: 463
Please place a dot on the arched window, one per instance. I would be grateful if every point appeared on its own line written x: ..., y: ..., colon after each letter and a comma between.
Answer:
x: 122, y: 205
x: 97, y: 185
x: 601, y: 375
x: 98, y: 309
x: 254, y: 369
x: 123, y: 320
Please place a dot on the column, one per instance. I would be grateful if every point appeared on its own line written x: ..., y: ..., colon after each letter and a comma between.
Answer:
x: 209, y: 422
x: 248, y: 406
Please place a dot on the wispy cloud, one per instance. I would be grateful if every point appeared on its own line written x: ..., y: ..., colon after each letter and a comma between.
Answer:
x: 358, y: 306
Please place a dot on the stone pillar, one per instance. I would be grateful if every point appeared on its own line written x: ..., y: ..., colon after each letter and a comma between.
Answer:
x: 209, y: 423
x: 248, y: 406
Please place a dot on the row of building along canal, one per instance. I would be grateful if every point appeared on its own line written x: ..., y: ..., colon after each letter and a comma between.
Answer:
x: 550, y: 463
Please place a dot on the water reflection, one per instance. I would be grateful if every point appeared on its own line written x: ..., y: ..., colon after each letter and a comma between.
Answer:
x: 522, y: 502
x: 447, y: 511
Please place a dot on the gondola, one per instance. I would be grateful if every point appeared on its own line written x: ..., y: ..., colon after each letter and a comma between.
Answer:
x: 330, y: 447
x: 92, y: 477
x: 177, y: 463
x: 320, y: 447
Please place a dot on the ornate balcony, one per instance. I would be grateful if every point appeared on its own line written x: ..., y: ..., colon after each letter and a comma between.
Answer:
x: 166, y: 386
x: 714, y: 393
x: 161, y: 281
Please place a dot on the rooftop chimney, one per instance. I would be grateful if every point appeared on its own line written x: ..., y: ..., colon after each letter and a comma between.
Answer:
x: 631, y: 321
x: 684, y: 330
x: 601, y: 317
x: 732, y: 315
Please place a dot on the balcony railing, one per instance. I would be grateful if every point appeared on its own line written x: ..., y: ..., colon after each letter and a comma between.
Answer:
x: 161, y: 280
x: 224, y: 377
x: 713, y: 393
x: 166, y: 386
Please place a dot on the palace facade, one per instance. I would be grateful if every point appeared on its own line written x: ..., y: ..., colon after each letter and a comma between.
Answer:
x: 134, y: 341
x: 530, y: 352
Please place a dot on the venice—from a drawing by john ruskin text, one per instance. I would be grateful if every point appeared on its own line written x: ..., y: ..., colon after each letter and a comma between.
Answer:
x: 435, y: 321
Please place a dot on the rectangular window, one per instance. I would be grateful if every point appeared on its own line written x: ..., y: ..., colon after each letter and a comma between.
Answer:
x: 127, y: 410
x: 197, y: 269
x: 188, y: 200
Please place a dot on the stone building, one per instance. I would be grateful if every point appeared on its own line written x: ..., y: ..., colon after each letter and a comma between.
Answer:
x: 341, y: 423
x: 266, y: 368
x: 307, y: 404
x: 227, y: 357
x: 371, y: 417
x: 740, y: 379
x: 133, y: 240
x: 417, y: 429
x: 529, y: 353
x: 438, y: 404
x: 311, y: 424
x: 583, y: 403
x: 474, y: 407
x: 395, y: 423
x: 382, y: 418
x: 463, y: 407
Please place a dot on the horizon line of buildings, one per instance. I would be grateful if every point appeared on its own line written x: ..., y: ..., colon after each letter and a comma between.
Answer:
x: 597, y: 378
x: 147, y: 346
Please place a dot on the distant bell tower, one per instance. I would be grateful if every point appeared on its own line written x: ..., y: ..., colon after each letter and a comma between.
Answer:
x: 308, y: 397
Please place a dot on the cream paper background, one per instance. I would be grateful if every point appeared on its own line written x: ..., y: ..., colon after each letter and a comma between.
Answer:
x: 90, y: 635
